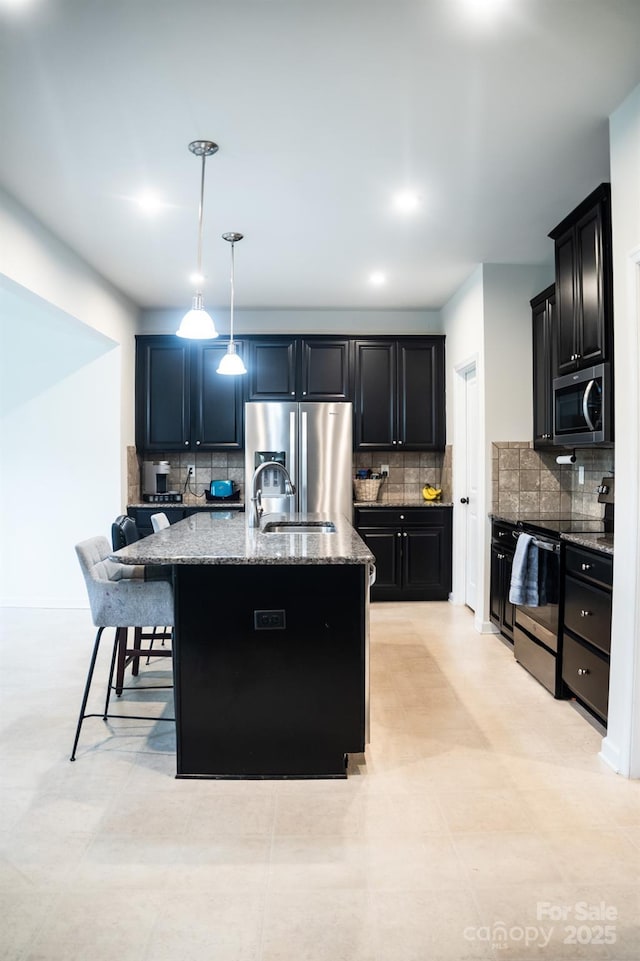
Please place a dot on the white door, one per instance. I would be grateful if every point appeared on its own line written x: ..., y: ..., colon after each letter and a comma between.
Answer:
x: 471, y: 486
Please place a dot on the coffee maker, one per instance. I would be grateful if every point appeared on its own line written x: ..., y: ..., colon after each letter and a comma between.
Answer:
x: 155, y: 482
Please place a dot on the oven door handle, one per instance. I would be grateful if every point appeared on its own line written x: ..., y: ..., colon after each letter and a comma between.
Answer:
x: 543, y: 545
x: 585, y: 405
x: 546, y: 545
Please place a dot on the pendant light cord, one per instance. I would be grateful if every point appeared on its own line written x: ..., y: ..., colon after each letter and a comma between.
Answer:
x: 233, y: 290
x: 200, y: 217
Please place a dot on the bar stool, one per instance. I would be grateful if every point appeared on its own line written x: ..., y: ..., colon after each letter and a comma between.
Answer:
x: 119, y: 597
x: 124, y: 531
x: 159, y: 522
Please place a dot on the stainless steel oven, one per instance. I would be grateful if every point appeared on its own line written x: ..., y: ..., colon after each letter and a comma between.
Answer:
x: 536, y: 629
x: 582, y: 411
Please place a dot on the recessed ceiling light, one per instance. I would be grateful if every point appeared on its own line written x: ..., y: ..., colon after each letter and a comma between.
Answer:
x: 196, y: 278
x: 406, y: 201
x: 16, y: 4
x: 484, y: 9
x: 377, y: 278
x: 149, y: 201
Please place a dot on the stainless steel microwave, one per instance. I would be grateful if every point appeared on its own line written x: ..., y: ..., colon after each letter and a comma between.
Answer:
x: 582, y: 409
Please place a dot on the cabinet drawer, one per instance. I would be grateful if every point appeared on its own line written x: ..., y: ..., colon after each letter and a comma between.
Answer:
x: 586, y: 673
x: 400, y: 516
x: 590, y: 565
x: 587, y: 612
x: 537, y: 660
x: 502, y: 534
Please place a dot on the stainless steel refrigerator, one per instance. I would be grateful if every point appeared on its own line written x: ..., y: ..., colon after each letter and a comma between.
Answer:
x: 315, y: 444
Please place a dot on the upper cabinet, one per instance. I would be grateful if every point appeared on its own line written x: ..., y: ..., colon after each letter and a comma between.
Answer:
x: 181, y: 402
x: 399, y: 394
x: 543, y: 323
x: 299, y: 368
x: 584, y: 282
x: 397, y: 386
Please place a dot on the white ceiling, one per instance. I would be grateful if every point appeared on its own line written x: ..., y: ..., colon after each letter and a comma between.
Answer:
x: 322, y: 109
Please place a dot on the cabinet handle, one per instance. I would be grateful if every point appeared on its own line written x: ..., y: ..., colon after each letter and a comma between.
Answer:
x: 304, y: 393
x: 293, y: 393
x: 404, y: 534
x: 399, y: 441
x: 586, y: 567
x: 502, y: 533
x: 582, y: 671
x: 394, y: 441
x: 399, y: 534
x: 197, y: 443
x: 501, y: 557
x: 465, y: 500
x: 586, y: 613
x: 402, y: 517
x: 186, y: 443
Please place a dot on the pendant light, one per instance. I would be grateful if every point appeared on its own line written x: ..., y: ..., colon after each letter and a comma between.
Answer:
x: 196, y: 323
x: 231, y: 362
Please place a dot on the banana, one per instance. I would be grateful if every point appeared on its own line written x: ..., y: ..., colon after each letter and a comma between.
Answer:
x: 431, y: 493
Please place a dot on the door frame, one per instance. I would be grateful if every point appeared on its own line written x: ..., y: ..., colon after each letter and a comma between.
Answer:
x: 621, y: 746
x: 459, y: 474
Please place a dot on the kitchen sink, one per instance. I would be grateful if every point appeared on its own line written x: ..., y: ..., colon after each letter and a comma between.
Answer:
x: 299, y: 527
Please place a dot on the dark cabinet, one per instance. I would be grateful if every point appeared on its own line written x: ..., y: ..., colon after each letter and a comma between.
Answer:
x: 588, y: 580
x: 584, y: 284
x: 412, y: 548
x: 399, y: 394
x: 272, y: 368
x: 142, y: 515
x: 501, y: 610
x: 299, y: 368
x: 181, y: 402
x: 543, y: 324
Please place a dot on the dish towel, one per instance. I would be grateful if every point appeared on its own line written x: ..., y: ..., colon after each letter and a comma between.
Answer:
x: 524, y: 573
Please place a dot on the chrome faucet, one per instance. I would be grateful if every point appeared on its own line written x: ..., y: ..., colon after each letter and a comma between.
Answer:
x: 257, y: 509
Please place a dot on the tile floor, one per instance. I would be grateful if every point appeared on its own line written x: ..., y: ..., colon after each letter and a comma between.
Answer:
x: 480, y: 815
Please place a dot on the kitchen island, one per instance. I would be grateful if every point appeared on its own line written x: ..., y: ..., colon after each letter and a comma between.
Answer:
x: 270, y: 644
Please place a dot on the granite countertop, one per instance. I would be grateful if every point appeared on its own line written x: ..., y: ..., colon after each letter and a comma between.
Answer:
x: 210, y: 538
x: 401, y: 501
x: 595, y: 542
x: 221, y: 505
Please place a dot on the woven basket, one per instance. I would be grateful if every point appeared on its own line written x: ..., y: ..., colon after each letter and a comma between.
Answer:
x: 368, y: 489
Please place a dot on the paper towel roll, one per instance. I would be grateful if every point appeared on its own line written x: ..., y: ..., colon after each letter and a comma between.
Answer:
x: 566, y: 459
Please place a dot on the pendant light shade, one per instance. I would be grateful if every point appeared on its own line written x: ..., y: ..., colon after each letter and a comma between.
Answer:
x: 231, y: 362
x: 197, y: 324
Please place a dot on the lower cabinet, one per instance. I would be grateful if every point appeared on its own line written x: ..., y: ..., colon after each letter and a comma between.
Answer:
x: 142, y: 515
x: 588, y: 579
x: 501, y: 610
x: 412, y: 548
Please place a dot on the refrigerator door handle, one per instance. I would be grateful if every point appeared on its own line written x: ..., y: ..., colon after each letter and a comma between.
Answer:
x: 293, y: 449
x: 304, y: 459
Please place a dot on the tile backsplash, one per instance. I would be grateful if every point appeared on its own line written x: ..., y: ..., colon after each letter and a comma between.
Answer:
x: 408, y: 472
x: 528, y: 481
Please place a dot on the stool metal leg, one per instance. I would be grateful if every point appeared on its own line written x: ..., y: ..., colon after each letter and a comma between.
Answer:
x: 85, y: 696
x: 117, y: 642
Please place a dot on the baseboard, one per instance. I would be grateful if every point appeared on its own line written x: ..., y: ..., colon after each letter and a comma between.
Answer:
x: 610, y: 754
x: 485, y: 627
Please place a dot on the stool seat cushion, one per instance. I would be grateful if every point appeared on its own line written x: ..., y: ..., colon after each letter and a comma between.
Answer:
x: 119, y: 595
